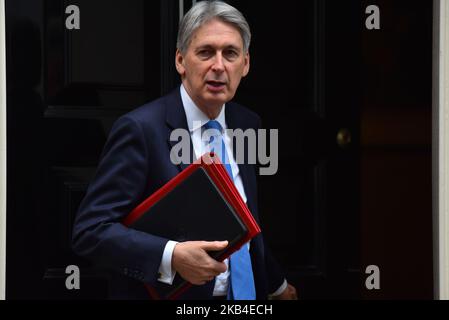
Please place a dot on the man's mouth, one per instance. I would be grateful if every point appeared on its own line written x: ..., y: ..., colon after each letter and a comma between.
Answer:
x: 216, y: 84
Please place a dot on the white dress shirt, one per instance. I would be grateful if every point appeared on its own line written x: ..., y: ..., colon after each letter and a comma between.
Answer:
x: 195, y: 120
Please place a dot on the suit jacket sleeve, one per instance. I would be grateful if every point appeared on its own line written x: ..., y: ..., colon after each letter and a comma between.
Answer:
x: 275, y: 274
x: 116, y: 189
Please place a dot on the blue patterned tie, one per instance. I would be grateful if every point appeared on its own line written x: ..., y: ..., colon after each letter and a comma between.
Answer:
x: 241, y: 286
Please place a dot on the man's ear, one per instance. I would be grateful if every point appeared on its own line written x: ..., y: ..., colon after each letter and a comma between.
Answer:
x: 179, y: 61
x: 246, y: 66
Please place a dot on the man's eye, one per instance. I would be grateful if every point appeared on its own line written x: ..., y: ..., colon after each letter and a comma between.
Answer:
x: 204, y: 53
x: 231, y: 54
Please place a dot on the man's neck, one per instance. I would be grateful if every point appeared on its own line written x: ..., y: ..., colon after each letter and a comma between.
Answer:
x: 211, y: 111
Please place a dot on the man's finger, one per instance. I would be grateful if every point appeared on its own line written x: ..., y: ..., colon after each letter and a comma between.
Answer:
x: 214, y: 245
x: 219, y: 267
x: 293, y: 292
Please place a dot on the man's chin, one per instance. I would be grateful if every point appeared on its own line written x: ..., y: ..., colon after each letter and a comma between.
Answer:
x: 216, y: 99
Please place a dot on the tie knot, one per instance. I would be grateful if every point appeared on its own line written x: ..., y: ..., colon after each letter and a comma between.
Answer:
x: 214, y: 125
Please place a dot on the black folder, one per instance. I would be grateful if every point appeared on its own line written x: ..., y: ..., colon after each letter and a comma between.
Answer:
x: 193, y: 207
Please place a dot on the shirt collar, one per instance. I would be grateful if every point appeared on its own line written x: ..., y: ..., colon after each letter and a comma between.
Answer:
x: 195, y: 117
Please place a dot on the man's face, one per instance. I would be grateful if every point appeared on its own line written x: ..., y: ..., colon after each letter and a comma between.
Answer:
x: 213, y: 65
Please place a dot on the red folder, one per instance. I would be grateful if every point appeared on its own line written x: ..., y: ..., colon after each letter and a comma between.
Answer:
x: 211, y: 174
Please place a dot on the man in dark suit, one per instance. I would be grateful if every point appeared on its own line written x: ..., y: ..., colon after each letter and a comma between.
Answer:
x: 212, y: 57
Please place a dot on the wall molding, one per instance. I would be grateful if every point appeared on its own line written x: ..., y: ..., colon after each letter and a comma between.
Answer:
x: 2, y: 151
x: 440, y: 149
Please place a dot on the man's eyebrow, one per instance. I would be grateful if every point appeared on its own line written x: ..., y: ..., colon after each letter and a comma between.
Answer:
x: 202, y: 47
x: 233, y: 48
x: 208, y: 46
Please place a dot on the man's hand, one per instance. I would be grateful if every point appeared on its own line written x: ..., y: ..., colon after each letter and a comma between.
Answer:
x: 288, y: 294
x: 191, y: 261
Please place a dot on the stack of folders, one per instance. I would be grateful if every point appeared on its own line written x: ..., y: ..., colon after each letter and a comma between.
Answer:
x: 199, y: 204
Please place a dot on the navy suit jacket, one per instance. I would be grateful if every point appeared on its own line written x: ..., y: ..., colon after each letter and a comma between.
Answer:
x: 134, y: 164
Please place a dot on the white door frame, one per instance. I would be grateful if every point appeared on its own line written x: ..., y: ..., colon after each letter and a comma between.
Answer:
x: 2, y: 151
x: 440, y: 149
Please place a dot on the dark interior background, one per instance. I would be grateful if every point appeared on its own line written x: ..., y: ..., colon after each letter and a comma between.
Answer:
x: 353, y: 109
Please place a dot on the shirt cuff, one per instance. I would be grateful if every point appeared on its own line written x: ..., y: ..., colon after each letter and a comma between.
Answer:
x: 166, y: 274
x: 280, y: 290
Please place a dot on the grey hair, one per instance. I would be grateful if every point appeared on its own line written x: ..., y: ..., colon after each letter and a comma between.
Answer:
x: 205, y: 11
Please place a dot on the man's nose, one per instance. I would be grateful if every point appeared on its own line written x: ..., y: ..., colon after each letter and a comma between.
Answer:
x: 218, y: 65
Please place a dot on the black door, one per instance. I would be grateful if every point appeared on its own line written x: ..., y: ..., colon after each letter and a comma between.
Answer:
x: 67, y: 86
x: 65, y: 89
x: 353, y: 106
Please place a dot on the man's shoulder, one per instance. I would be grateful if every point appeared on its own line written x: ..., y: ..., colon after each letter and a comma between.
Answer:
x: 153, y: 112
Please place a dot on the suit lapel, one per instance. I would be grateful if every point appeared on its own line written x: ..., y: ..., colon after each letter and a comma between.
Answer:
x: 176, y: 119
x: 234, y: 121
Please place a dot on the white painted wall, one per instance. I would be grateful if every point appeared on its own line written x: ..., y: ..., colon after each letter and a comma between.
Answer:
x: 2, y: 151
x: 441, y: 148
